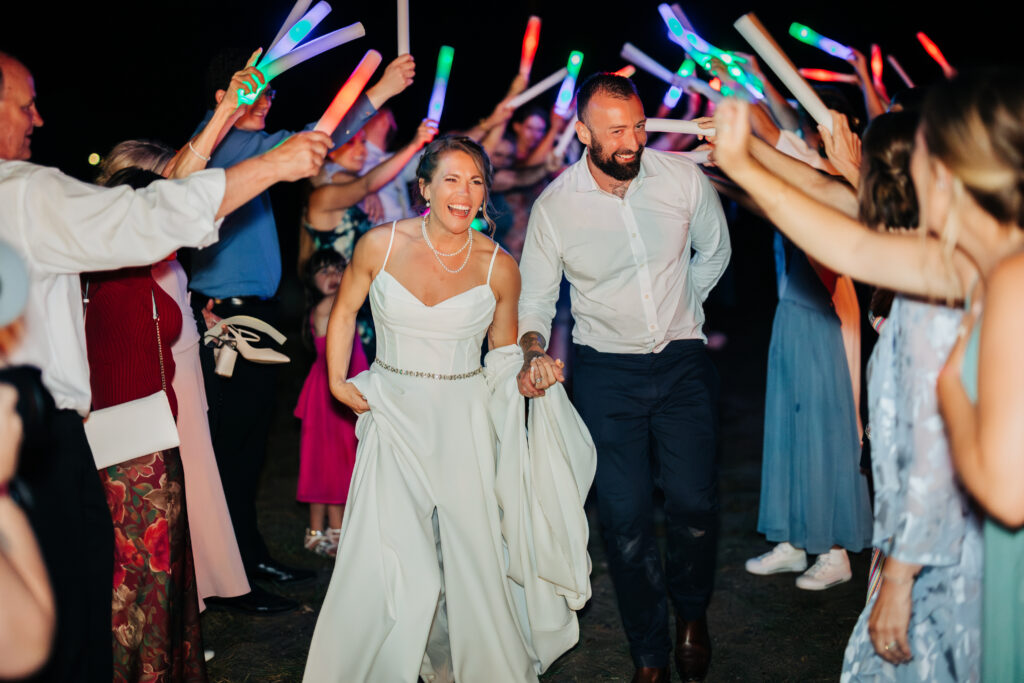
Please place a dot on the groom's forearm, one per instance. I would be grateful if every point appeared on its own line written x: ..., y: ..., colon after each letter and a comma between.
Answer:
x: 533, y: 344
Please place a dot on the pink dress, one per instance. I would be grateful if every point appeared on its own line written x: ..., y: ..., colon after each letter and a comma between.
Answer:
x: 327, y: 451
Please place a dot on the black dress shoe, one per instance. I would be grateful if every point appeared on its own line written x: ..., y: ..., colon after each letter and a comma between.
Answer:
x: 279, y: 573
x: 693, y: 649
x: 256, y: 601
x: 651, y: 674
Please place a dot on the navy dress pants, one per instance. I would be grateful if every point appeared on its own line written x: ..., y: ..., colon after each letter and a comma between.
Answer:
x: 654, y: 420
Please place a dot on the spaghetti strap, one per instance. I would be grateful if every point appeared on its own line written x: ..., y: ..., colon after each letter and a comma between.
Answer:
x: 390, y: 243
x: 491, y: 267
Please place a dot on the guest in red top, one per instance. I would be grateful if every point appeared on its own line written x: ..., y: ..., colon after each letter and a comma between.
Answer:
x: 155, y: 605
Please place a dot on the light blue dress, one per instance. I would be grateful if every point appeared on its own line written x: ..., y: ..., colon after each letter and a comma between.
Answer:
x: 812, y: 492
x: 922, y: 516
x: 1003, y: 629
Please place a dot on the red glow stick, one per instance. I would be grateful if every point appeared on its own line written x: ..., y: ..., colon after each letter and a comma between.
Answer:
x: 530, y: 42
x: 626, y: 71
x: 348, y: 93
x: 876, y: 71
x: 827, y: 76
x: 716, y: 83
x: 935, y: 53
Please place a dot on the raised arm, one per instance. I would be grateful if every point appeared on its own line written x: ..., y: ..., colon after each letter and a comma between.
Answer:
x: 904, y: 263
x: 872, y: 100
x: 828, y: 190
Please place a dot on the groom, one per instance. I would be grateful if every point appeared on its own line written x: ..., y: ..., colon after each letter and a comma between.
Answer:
x: 641, y: 237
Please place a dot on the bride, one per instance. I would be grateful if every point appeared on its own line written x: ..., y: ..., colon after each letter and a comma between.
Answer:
x: 446, y: 535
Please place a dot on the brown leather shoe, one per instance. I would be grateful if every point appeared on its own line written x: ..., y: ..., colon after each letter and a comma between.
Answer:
x: 693, y: 649
x: 652, y: 674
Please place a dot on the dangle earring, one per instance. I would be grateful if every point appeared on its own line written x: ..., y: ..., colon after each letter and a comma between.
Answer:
x: 428, y: 203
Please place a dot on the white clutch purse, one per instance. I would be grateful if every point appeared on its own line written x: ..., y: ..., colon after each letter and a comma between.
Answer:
x: 131, y: 429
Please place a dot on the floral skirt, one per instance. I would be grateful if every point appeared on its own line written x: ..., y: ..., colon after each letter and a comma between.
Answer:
x: 156, y: 634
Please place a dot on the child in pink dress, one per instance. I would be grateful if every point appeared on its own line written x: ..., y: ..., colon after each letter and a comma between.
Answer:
x: 328, y: 442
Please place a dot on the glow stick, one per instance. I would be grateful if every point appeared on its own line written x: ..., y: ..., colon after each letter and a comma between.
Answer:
x: 444, y: 69
x: 935, y: 53
x: 297, y: 11
x: 534, y: 90
x: 403, y: 27
x: 677, y: 126
x: 313, y: 48
x: 631, y: 53
x: 671, y: 98
x: 765, y: 46
x: 702, y: 156
x: 876, y: 70
x: 627, y: 71
x: 530, y: 42
x: 572, y: 68
x: 702, y: 88
x: 678, y: 12
x: 566, y: 138
x: 348, y: 93
x: 899, y: 69
x: 807, y: 35
x: 827, y: 76
x: 297, y: 32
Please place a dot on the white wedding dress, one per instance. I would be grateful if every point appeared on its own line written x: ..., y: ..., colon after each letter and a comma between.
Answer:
x: 401, y: 605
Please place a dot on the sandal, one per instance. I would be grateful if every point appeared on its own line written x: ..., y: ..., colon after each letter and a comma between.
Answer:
x: 320, y: 543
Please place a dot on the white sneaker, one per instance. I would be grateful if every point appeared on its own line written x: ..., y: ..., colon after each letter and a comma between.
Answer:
x: 207, y: 654
x: 830, y: 569
x: 781, y: 558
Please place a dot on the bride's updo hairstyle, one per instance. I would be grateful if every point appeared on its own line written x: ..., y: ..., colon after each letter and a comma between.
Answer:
x: 974, y: 125
x: 433, y: 153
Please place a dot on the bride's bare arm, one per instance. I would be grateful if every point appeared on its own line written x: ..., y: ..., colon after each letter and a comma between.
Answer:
x: 505, y: 283
x: 341, y: 327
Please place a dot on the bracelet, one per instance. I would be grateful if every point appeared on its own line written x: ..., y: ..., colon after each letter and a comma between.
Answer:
x: 193, y: 150
x: 901, y: 581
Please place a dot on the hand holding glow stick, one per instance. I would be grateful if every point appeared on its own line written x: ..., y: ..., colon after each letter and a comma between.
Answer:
x: 534, y: 90
x: 811, y: 37
x: 768, y: 50
x: 935, y: 53
x: 530, y: 42
x: 444, y: 69
x: 297, y: 32
x: 899, y: 69
x: 403, y: 27
x: 297, y: 11
x: 826, y: 76
x: 572, y: 68
x: 677, y: 126
x: 349, y: 92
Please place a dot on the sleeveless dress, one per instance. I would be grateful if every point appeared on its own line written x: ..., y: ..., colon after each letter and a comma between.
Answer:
x: 1002, y: 629
x: 812, y: 492
x: 327, y: 450
x: 419, y: 587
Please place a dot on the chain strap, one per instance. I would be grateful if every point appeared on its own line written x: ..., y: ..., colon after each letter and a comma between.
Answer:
x: 159, y: 343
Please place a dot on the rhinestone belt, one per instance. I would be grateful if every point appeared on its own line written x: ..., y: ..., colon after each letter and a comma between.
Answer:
x: 428, y: 375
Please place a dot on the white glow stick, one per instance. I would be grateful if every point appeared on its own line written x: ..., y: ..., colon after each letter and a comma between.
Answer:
x: 566, y: 138
x: 697, y: 156
x: 770, y: 53
x: 677, y: 126
x: 700, y: 87
x: 297, y: 32
x: 312, y: 49
x: 403, y: 27
x: 534, y: 90
x: 297, y: 11
x: 631, y: 53
x: 899, y: 69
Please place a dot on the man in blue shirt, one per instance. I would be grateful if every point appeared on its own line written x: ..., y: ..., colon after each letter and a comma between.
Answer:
x: 240, y: 276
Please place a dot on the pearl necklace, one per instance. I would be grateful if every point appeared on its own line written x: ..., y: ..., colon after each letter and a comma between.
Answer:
x: 438, y: 254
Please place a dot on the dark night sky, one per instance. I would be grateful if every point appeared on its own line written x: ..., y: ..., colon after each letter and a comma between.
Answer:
x: 107, y: 71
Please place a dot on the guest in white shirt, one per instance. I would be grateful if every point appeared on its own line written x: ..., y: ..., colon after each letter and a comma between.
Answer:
x: 61, y: 227
x: 641, y: 237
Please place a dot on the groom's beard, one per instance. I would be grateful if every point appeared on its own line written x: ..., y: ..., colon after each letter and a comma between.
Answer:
x: 612, y: 166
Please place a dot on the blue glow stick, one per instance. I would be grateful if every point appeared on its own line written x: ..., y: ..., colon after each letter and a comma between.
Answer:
x: 675, y: 92
x: 444, y: 69
x: 564, y: 100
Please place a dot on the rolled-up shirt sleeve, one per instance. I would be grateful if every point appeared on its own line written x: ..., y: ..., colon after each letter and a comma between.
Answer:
x: 709, y: 238
x: 67, y: 226
x: 541, y: 270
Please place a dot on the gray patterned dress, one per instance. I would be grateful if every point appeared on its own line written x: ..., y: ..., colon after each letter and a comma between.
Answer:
x: 921, y: 514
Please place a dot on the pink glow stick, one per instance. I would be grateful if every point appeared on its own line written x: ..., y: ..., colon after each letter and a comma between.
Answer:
x: 348, y: 93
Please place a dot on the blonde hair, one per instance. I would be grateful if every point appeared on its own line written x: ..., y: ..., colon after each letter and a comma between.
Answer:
x: 145, y: 154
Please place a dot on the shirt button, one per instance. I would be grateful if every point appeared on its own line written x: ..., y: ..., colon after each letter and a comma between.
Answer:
x: 634, y: 234
x: 654, y: 327
x: 647, y: 296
